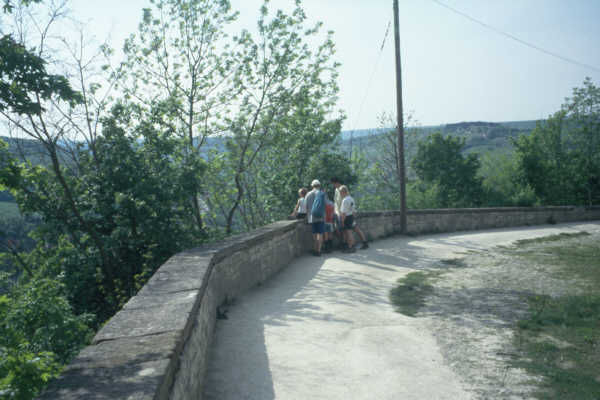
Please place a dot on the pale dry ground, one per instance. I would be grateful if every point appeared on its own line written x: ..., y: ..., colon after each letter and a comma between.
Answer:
x: 324, y: 328
x: 478, y: 299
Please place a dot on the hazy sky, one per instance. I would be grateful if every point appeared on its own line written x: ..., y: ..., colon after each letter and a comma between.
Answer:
x: 453, y: 69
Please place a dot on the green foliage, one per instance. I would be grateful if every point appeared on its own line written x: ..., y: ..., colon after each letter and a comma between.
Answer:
x: 501, y: 182
x: 38, y: 334
x: 10, y: 4
x: 24, y: 374
x: 131, y: 194
x: 439, y: 161
x: 420, y: 195
x: 376, y: 189
x: 560, y: 160
x: 115, y: 205
x: 23, y: 77
x: 9, y: 168
x: 284, y: 96
x: 325, y: 165
x: 376, y: 163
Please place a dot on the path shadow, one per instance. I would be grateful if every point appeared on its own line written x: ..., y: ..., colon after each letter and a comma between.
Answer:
x: 308, y: 290
x: 238, y: 365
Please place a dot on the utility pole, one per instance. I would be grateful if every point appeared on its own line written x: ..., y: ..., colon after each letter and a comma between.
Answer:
x: 399, y: 114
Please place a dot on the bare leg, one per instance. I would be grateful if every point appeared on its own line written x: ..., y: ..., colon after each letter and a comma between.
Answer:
x: 349, y: 238
x: 360, y: 234
x: 319, y: 242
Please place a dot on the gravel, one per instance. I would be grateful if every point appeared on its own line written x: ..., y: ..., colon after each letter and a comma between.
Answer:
x: 476, y: 303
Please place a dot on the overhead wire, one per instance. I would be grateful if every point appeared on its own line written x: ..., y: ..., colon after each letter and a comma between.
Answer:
x: 521, y: 41
x: 387, y: 31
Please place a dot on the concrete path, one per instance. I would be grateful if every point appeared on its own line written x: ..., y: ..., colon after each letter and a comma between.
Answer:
x: 323, y: 328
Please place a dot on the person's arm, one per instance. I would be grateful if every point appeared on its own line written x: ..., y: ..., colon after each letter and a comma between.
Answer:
x: 295, y: 212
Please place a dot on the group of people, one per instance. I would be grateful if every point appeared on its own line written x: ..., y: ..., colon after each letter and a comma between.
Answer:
x: 329, y: 218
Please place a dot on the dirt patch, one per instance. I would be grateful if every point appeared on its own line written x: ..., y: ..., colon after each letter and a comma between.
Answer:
x: 473, y: 310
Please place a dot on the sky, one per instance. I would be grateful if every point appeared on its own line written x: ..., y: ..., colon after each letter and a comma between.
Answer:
x: 453, y: 68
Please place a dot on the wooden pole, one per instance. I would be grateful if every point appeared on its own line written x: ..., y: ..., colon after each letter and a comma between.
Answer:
x: 399, y: 114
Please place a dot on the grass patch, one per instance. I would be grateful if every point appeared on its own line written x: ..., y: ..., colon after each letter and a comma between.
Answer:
x: 572, y: 259
x: 551, y: 238
x: 9, y: 209
x: 560, y: 340
x: 409, y: 296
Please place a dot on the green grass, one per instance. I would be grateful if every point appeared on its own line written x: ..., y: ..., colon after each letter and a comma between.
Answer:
x: 551, y: 238
x: 573, y: 259
x: 560, y: 340
x: 409, y: 296
x: 9, y: 209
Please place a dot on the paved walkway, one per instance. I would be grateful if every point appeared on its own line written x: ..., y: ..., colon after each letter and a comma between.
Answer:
x: 323, y: 328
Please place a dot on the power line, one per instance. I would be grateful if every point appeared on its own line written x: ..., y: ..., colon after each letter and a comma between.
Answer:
x: 362, y: 103
x: 523, y: 42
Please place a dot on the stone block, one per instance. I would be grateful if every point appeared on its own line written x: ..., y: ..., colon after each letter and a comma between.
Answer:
x: 132, y: 368
x: 163, y: 313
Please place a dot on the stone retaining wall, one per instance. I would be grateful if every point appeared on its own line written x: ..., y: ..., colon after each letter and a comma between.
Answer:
x: 157, y: 346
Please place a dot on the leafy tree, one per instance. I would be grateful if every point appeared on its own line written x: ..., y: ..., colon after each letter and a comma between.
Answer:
x: 38, y: 334
x: 439, y: 160
x: 24, y: 81
x: 583, y: 113
x: 379, y: 184
x: 560, y: 159
x: 501, y: 181
x: 181, y: 59
x: 10, y: 4
x: 545, y: 161
x: 133, y: 191
x: 286, y: 91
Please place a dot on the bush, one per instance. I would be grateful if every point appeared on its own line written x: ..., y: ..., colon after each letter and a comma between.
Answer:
x: 39, y: 333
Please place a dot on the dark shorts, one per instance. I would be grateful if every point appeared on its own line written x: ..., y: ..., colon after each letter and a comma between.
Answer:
x: 318, y: 227
x: 348, y: 222
x: 300, y: 215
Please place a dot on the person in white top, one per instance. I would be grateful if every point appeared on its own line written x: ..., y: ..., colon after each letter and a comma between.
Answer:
x: 347, y: 221
x: 337, y: 201
x: 300, y: 209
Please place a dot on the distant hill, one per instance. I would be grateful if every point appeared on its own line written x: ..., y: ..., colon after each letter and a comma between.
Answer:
x: 480, y: 137
x: 26, y: 149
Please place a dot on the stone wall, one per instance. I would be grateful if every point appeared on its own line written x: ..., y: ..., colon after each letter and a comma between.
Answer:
x: 157, y: 346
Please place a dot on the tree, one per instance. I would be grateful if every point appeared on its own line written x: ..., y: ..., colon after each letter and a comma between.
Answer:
x: 181, y: 59
x: 9, y: 4
x: 560, y: 159
x: 133, y: 191
x: 286, y: 92
x: 501, y: 182
x: 38, y: 334
x: 439, y: 161
x: 379, y: 185
x: 583, y: 113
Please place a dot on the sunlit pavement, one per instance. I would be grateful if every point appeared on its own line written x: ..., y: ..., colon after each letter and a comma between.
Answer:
x: 324, y: 328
